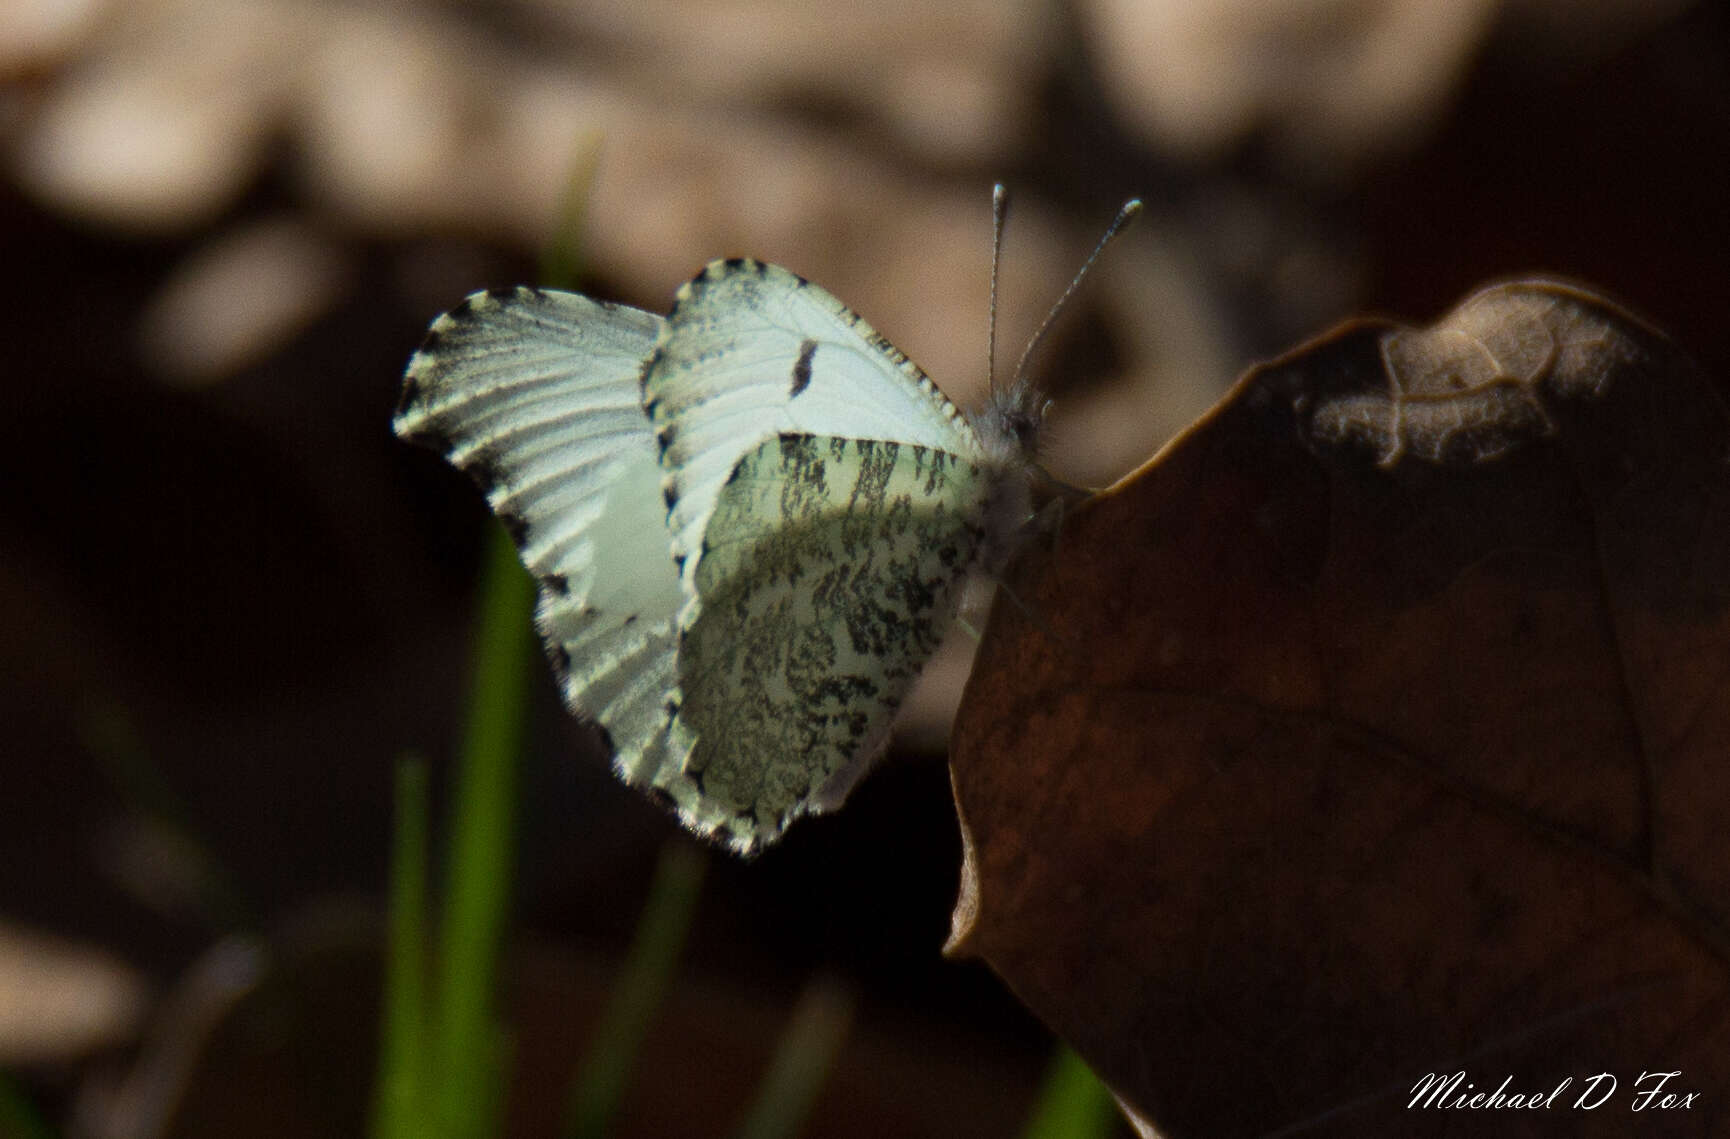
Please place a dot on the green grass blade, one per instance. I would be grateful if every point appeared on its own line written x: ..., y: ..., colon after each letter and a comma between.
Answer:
x: 399, y: 1107
x: 1072, y: 1103
x: 19, y: 1118
x: 601, y: 1080
x: 468, y: 1042
x: 561, y: 258
x: 442, y: 1065
x: 803, y: 1059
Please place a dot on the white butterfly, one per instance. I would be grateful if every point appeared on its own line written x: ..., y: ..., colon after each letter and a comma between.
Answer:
x: 748, y: 520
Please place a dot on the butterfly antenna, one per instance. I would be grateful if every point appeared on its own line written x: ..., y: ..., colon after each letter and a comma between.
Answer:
x: 1124, y: 216
x: 999, y: 214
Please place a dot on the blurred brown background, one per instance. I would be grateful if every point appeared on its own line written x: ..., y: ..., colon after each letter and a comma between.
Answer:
x: 229, y: 599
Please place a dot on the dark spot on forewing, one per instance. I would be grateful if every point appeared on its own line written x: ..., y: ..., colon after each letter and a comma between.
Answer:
x: 802, y: 368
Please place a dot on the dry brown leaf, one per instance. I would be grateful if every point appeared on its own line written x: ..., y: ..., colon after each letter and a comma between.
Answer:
x: 1378, y: 729
x: 239, y: 298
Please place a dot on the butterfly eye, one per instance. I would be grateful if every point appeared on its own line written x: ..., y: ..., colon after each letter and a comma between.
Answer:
x: 1024, y: 426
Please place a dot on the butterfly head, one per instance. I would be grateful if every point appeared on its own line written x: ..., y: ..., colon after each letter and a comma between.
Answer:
x: 1009, y: 424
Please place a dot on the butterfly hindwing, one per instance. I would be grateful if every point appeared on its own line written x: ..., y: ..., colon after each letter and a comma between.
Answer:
x: 537, y: 395
x: 825, y: 581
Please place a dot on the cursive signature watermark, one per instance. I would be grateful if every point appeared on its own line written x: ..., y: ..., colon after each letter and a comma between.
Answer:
x: 1649, y: 1091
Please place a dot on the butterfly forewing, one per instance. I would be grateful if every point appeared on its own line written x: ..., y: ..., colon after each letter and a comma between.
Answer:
x: 825, y: 583
x: 537, y: 395
x: 751, y: 351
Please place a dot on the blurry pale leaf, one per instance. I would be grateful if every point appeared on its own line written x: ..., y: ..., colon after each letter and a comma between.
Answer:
x: 158, y: 866
x: 165, y: 120
x: 954, y: 80
x: 59, y: 1000
x: 1378, y: 728
x: 1329, y: 81
x: 407, y: 119
x: 408, y: 124
x: 1177, y: 361
x: 143, y: 1100
x: 398, y: 114
x: 238, y: 299
x: 39, y: 33
x: 803, y: 1062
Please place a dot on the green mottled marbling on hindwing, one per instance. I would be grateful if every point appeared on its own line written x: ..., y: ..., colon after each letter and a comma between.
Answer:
x: 825, y: 584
